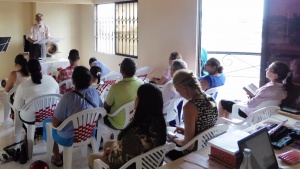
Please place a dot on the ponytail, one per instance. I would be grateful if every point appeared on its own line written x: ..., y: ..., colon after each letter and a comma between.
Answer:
x: 288, y: 82
x: 98, y: 77
x: 34, y: 69
x: 96, y: 73
x: 36, y: 77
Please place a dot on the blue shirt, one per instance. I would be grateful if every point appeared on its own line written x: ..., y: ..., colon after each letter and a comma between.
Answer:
x: 72, y: 103
x: 104, y: 68
x: 214, y: 81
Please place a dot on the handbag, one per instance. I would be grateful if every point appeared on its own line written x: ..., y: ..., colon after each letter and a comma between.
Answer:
x: 19, y: 154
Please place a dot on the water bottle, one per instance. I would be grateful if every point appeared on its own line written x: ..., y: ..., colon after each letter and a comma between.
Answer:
x: 246, y: 164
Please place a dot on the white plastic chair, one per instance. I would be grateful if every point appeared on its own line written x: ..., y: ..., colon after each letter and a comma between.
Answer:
x: 7, y: 104
x: 203, y: 138
x: 112, y: 78
x: 34, y: 112
x: 129, y: 114
x: 143, y: 72
x: 243, y: 107
x: 255, y: 117
x: 170, y: 110
x: 68, y: 84
x: 107, y: 81
x: 102, y: 90
x: 213, y: 91
x: 149, y: 160
x: 84, y: 123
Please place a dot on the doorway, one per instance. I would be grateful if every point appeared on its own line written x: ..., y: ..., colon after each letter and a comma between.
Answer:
x: 231, y: 31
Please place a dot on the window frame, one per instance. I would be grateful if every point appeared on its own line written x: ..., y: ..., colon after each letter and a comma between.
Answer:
x: 96, y: 26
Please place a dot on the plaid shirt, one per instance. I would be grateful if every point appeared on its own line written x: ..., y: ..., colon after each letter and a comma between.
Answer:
x: 64, y: 74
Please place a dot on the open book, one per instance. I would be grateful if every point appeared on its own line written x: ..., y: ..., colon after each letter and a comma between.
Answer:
x: 250, y: 89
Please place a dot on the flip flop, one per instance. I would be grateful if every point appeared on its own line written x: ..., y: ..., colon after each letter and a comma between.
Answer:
x: 57, y: 163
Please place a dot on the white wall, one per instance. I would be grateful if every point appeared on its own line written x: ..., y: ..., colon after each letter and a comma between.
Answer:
x: 165, y: 26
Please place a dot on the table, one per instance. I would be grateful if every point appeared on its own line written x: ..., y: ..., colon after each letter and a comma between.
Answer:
x: 49, y: 66
x: 274, y: 119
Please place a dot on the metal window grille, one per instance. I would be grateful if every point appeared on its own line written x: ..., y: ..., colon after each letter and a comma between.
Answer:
x: 116, y: 28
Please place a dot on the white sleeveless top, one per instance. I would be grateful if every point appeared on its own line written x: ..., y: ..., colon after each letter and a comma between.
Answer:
x: 19, y: 79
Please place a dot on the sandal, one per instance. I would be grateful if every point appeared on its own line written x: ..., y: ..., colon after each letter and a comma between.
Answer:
x: 57, y: 163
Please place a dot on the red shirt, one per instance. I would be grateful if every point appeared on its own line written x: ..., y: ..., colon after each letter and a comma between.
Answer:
x: 64, y: 74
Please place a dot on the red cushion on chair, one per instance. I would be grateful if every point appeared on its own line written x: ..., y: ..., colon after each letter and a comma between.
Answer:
x: 84, y: 132
x: 44, y: 113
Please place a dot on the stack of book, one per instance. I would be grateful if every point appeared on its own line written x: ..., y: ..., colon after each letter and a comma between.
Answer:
x: 225, y: 150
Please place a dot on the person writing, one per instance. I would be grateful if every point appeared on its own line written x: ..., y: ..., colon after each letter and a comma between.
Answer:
x: 38, y: 31
x: 146, y: 131
x: 200, y: 112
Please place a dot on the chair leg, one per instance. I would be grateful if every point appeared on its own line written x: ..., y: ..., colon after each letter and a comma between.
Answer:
x: 30, y: 139
x: 6, y: 109
x: 99, y: 135
x: 50, y: 141
x: 67, y: 156
x: 84, y: 151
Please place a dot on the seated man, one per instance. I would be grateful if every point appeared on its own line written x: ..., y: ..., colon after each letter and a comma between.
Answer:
x: 94, y: 62
x: 67, y: 72
x: 70, y: 104
x: 121, y: 93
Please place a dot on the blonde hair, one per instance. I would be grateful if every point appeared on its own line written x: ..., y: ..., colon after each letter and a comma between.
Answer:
x: 186, y: 78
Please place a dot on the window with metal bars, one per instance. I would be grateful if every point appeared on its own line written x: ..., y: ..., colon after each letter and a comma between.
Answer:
x: 116, y: 28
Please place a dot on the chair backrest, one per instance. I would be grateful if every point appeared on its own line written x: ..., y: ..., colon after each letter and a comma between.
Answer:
x: 262, y: 114
x: 102, y: 90
x: 268, y: 103
x: 129, y: 112
x: 84, y: 123
x: 213, y: 92
x: 111, y: 78
x: 8, y: 95
x: 39, y: 108
x: 205, y: 136
x: 170, y: 109
x: 68, y: 85
x: 149, y: 160
x: 143, y: 72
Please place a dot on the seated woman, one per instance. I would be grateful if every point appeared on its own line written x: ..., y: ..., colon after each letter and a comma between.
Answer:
x: 145, y: 132
x: 200, y: 112
x: 19, y: 75
x: 215, y: 77
x: 96, y: 75
x: 16, y: 77
x: 276, y: 89
x: 167, y: 74
x: 69, y: 104
x: 38, y: 85
x: 169, y: 92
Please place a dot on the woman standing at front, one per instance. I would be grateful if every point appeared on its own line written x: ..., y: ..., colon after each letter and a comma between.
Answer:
x: 200, y: 112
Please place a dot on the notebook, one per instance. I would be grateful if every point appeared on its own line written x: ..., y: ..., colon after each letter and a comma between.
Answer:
x: 262, y: 153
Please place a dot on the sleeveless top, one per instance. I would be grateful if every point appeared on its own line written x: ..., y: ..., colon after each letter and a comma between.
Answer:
x: 20, y: 79
x: 207, y: 116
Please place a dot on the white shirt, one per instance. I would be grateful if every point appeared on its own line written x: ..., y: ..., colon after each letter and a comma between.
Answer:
x: 20, y: 79
x: 28, y: 90
x: 169, y: 92
x: 39, y: 32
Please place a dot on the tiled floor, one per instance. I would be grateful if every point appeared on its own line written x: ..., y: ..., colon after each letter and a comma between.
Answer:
x: 39, y: 150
